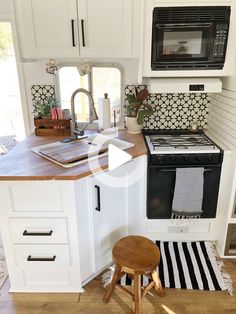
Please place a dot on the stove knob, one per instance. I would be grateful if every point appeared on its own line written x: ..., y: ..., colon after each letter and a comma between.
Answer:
x: 185, y: 158
x: 160, y: 159
x: 197, y: 158
x: 210, y: 158
x: 172, y: 159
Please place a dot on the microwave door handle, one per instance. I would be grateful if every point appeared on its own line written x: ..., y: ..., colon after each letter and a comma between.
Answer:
x: 188, y: 25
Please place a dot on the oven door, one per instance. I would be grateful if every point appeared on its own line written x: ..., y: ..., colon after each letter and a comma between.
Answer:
x: 161, y: 185
x: 182, y: 44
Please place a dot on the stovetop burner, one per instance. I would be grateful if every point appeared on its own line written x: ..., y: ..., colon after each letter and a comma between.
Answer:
x: 181, y: 147
x: 180, y: 142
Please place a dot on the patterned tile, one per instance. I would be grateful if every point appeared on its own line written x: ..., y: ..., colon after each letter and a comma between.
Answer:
x: 42, y: 92
x: 174, y: 111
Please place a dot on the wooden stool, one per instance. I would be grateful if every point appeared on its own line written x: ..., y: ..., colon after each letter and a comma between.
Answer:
x: 136, y: 256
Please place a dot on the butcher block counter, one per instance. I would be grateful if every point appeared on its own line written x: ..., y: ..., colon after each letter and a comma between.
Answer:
x: 22, y: 164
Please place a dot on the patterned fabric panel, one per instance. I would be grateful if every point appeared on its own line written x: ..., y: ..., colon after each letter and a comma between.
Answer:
x: 175, y: 111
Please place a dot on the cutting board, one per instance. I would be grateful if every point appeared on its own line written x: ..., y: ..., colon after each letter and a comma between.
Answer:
x: 72, y: 151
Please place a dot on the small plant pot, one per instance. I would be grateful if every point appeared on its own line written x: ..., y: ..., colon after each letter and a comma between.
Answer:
x: 132, y: 126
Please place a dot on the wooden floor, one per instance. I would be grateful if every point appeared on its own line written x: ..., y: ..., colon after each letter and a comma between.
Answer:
x: 175, y: 301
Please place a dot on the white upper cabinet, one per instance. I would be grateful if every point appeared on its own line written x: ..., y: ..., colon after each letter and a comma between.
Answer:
x: 76, y: 28
x: 47, y: 28
x: 105, y: 27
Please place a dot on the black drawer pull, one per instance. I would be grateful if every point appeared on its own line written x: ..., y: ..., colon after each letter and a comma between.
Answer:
x: 82, y: 30
x: 98, y: 208
x: 41, y: 259
x: 73, y: 32
x: 37, y: 234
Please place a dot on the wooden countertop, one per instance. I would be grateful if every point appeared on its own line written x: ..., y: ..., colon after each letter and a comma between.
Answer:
x: 22, y: 164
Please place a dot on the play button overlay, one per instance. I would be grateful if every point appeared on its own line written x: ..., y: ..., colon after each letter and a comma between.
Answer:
x: 116, y: 157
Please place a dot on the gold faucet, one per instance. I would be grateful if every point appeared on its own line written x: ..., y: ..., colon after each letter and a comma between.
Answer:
x: 92, y: 112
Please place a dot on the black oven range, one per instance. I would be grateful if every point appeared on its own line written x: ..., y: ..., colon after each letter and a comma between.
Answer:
x: 183, y: 174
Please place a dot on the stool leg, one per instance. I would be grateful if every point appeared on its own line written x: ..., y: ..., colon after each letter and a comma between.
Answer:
x: 116, y: 277
x: 137, y: 295
x: 158, y: 287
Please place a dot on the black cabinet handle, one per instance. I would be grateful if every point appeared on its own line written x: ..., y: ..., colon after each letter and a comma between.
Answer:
x: 41, y: 259
x: 82, y: 30
x: 98, y: 208
x: 37, y: 234
x: 73, y: 32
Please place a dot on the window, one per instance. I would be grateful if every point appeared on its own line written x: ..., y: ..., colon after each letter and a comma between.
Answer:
x: 11, y: 115
x: 100, y: 80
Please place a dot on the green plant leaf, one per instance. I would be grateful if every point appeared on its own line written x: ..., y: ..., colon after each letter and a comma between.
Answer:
x: 141, y: 115
x: 131, y: 99
x: 133, y: 105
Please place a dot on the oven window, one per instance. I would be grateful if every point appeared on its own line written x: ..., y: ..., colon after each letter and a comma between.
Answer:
x: 185, y: 44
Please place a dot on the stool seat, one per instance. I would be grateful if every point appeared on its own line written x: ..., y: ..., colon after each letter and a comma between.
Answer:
x: 135, y: 256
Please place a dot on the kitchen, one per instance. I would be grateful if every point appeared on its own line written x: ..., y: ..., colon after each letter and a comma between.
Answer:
x: 28, y: 181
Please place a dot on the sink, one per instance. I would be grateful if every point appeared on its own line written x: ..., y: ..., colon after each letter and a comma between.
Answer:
x: 95, y: 140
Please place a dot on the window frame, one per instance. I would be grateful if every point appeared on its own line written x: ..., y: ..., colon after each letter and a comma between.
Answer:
x: 27, y: 120
x: 95, y: 124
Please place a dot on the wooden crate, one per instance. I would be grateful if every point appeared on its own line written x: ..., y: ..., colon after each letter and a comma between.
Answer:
x: 48, y: 126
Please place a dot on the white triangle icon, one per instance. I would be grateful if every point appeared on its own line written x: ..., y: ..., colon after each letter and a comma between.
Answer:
x: 117, y: 157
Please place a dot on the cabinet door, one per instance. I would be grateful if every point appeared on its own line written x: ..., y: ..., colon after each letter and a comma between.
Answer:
x: 109, y: 213
x: 47, y: 28
x: 105, y: 27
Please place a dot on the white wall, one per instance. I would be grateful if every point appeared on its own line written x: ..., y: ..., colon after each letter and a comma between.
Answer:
x: 5, y: 7
x: 222, y: 113
x: 229, y: 82
x: 222, y: 118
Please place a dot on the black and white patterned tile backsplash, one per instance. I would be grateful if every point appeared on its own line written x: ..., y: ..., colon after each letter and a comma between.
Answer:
x: 175, y: 111
x: 42, y: 92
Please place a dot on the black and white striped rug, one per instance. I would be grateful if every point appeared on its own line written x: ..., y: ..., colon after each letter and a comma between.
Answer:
x: 190, y: 265
x: 186, y: 265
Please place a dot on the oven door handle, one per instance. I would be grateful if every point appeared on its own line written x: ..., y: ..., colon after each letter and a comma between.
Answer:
x: 168, y: 170
x: 174, y: 170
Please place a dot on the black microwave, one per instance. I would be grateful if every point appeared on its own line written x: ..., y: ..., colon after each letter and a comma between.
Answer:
x: 189, y: 38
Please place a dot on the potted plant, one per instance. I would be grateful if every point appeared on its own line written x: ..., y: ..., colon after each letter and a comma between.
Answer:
x: 43, y: 107
x: 48, y: 118
x: 137, y: 110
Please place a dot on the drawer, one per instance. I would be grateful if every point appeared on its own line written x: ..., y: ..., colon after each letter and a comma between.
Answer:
x: 40, y: 280
x: 38, y: 230
x: 36, y: 196
x: 28, y: 256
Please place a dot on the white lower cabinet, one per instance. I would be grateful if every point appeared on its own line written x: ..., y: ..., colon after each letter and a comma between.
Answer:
x: 57, y: 244
x: 39, y: 233
x: 108, y: 213
x: 38, y: 230
x: 42, y: 255
x: 111, y: 205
